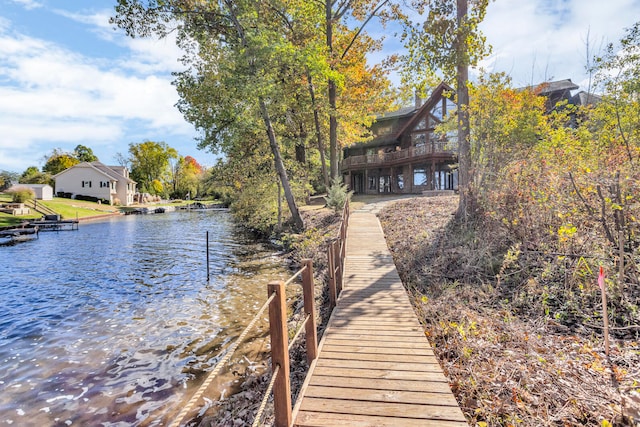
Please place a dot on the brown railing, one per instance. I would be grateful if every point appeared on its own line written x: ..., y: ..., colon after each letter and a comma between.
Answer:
x: 396, y: 156
x: 281, y: 346
x: 335, y: 256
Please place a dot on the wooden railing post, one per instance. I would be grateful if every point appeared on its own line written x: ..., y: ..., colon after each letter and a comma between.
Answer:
x: 311, y: 330
x: 337, y: 248
x: 333, y: 296
x: 280, y: 354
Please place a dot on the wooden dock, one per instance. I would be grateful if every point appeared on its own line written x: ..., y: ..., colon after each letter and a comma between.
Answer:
x: 376, y: 367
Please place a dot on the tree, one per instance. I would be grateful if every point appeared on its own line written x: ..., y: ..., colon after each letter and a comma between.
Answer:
x: 84, y: 154
x: 7, y: 178
x: 505, y: 125
x: 32, y: 175
x: 186, y: 174
x: 618, y: 70
x: 449, y: 42
x: 150, y: 162
x: 58, y: 161
x: 241, y: 55
x: 335, y: 12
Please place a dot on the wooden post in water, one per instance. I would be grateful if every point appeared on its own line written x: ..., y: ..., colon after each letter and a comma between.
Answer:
x: 333, y: 296
x: 207, y: 255
x: 280, y: 354
x: 310, y: 310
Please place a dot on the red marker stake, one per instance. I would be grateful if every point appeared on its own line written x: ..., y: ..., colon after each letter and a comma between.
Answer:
x: 605, y: 315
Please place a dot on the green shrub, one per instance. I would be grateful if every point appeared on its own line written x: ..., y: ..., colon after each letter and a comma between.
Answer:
x: 21, y: 194
x: 337, y: 195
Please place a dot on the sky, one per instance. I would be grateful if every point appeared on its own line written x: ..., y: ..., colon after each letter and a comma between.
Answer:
x: 67, y: 77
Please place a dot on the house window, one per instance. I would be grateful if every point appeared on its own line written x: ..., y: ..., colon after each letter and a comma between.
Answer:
x: 86, y: 184
x: 400, y: 181
x: 385, y: 184
x: 383, y: 130
x: 437, y: 111
x: 419, y: 176
x: 418, y: 139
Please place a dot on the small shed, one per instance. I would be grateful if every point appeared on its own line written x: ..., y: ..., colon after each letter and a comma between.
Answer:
x: 42, y: 191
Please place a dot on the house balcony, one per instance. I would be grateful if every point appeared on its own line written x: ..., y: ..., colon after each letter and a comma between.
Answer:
x: 436, y: 150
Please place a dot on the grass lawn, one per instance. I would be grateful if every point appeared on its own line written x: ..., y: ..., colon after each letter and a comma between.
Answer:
x: 71, y: 209
x: 67, y: 208
x: 7, y: 220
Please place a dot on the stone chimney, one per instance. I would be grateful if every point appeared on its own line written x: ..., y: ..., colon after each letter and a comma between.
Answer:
x: 417, y: 99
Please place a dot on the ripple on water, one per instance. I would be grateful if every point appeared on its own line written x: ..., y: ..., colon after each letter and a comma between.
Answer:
x: 106, y: 325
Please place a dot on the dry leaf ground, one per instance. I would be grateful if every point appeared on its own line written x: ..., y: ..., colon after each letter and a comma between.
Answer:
x: 506, y: 368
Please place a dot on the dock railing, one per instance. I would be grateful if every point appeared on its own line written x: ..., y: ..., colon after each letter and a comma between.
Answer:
x: 281, y: 346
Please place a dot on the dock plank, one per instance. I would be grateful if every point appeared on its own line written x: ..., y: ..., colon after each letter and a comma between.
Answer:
x: 375, y: 366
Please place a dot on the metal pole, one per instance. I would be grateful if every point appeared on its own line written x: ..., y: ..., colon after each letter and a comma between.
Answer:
x: 207, y: 255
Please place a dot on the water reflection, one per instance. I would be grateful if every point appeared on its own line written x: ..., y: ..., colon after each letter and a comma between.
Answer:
x: 115, y: 324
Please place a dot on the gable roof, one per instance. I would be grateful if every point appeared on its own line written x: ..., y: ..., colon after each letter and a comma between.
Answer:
x: 402, y: 112
x: 100, y: 168
x: 82, y: 165
x: 428, y: 105
x: 109, y: 171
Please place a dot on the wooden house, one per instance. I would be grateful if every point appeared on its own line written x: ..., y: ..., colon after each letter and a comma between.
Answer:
x: 406, y: 155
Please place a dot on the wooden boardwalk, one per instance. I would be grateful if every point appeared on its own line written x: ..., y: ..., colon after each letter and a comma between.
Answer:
x: 376, y: 367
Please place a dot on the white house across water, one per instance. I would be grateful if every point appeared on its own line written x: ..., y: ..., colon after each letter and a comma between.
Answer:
x: 95, y: 179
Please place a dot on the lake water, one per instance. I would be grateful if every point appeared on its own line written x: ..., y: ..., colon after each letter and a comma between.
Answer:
x: 115, y: 324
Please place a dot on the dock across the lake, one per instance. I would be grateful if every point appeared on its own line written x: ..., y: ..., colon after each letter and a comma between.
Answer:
x: 375, y: 367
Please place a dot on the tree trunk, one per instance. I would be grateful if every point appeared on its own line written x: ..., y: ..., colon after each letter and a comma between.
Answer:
x: 333, y: 120
x: 333, y: 130
x: 316, y: 120
x: 298, y: 224
x: 464, y: 145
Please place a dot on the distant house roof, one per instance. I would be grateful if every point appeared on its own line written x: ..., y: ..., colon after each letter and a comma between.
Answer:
x: 101, y: 168
x: 585, y: 98
x: 110, y: 171
x: 549, y: 87
x: 33, y: 185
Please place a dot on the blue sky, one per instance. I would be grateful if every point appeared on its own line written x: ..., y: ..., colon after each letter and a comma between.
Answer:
x: 68, y: 78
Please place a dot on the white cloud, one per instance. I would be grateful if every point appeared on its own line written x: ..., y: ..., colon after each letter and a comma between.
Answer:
x: 148, y: 55
x: 53, y: 97
x: 28, y: 4
x: 540, y: 40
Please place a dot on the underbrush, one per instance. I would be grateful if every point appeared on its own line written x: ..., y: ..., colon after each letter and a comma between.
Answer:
x: 517, y: 328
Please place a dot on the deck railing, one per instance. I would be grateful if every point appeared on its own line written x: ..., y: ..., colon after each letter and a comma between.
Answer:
x: 381, y: 159
x: 281, y: 346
